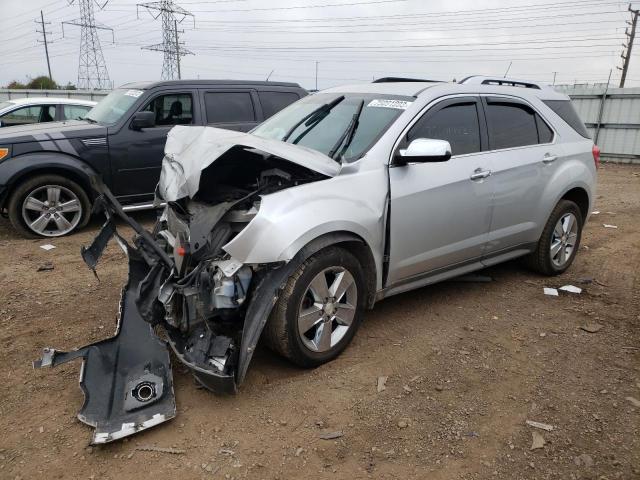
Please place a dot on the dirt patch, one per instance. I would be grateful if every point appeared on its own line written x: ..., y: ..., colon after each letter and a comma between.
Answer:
x: 467, y: 365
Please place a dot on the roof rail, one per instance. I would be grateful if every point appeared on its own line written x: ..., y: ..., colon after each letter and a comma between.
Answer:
x: 507, y: 82
x: 402, y: 79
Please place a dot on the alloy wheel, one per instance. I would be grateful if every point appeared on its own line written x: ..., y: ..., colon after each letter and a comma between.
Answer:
x: 563, y: 239
x: 51, y: 210
x: 327, y: 309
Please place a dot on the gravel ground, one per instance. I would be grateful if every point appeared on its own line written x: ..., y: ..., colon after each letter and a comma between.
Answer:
x: 467, y: 365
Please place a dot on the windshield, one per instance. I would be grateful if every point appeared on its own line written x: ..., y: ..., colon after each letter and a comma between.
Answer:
x: 112, y: 107
x: 320, y: 122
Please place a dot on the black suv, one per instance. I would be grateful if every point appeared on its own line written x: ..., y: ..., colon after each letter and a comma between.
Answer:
x: 45, y: 168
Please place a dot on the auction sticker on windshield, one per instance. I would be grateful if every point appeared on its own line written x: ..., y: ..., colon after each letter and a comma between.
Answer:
x: 134, y: 93
x: 386, y: 103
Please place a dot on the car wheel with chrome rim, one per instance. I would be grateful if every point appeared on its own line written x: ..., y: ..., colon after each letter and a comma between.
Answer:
x: 319, y: 310
x: 48, y: 206
x: 559, y: 241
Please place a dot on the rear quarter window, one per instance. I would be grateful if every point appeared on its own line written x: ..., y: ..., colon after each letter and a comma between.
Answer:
x: 564, y: 109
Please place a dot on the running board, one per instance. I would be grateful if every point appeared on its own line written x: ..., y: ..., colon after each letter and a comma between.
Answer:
x: 141, y: 206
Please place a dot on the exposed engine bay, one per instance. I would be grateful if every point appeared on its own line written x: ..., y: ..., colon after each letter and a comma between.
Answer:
x: 183, y: 287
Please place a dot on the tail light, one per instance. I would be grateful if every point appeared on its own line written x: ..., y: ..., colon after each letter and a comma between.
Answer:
x: 596, y: 155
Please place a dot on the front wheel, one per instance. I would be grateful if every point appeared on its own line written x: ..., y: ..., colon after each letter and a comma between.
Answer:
x: 319, y: 310
x: 48, y: 206
x: 560, y: 240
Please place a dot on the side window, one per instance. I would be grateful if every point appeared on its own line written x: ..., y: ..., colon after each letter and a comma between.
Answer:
x: 273, y: 102
x: 229, y: 107
x: 74, y: 112
x: 26, y: 115
x: 511, y: 125
x: 171, y: 109
x: 457, y: 123
x: 545, y: 134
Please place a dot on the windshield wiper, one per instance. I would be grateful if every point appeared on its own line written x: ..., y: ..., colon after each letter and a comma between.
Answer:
x: 348, y: 134
x: 312, y: 118
x: 88, y: 119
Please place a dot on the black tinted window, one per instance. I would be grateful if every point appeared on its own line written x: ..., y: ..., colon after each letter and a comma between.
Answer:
x: 458, y: 124
x: 565, y: 110
x: 511, y: 125
x: 227, y: 107
x: 545, y: 134
x: 273, y: 102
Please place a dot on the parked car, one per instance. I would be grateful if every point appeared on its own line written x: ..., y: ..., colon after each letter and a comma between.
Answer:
x: 25, y: 111
x: 45, y: 169
x: 340, y: 200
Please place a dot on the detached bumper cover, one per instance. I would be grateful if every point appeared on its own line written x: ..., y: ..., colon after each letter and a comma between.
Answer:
x: 126, y: 380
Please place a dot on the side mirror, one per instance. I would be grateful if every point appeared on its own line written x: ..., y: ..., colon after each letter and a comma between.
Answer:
x: 143, y: 120
x: 422, y: 150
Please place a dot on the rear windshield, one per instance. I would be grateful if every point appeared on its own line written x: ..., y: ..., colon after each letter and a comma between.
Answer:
x: 564, y: 108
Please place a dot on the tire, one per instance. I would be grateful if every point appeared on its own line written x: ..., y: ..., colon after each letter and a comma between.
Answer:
x: 543, y: 260
x: 284, y: 330
x: 30, y: 201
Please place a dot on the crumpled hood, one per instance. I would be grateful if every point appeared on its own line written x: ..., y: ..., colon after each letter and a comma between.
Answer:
x: 189, y: 150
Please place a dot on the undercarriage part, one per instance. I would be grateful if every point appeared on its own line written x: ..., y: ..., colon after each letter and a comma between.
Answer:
x: 210, y: 357
x: 126, y: 380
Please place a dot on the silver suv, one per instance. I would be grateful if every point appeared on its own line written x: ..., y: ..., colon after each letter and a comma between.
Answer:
x: 340, y: 200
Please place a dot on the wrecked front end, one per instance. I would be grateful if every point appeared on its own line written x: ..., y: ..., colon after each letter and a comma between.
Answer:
x: 184, y: 289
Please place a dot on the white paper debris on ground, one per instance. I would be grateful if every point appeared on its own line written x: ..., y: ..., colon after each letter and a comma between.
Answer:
x: 571, y: 289
x: 382, y: 383
x: 47, y: 246
x: 606, y: 225
x: 595, y: 212
x: 550, y: 291
x: 541, y: 426
x: 537, y: 441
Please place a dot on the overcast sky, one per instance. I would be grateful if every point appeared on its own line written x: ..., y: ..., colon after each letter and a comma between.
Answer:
x: 352, y: 40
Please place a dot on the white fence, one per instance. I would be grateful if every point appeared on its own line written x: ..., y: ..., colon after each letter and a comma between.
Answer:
x: 94, y: 95
x: 613, y: 119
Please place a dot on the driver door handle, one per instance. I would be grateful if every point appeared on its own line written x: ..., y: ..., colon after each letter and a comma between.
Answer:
x: 479, y: 174
x: 548, y: 158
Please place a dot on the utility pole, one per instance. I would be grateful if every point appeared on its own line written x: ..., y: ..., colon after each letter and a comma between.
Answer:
x: 629, y: 45
x: 554, y: 77
x: 170, y: 46
x: 44, y: 36
x: 92, y: 69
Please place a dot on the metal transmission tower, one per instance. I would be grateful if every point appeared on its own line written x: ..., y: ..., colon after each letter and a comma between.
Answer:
x: 171, y: 46
x: 629, y: 45
x: 92, y: 70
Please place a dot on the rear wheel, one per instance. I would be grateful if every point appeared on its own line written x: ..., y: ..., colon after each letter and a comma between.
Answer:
x: 319, y: 310
x: 48, y: 206
x: 560, y: 240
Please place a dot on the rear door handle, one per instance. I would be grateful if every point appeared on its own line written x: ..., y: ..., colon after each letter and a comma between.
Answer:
x: 549, y: 158
x: 479, y: 174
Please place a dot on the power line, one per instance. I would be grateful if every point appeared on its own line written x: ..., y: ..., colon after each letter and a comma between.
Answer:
x: 170, y: 46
